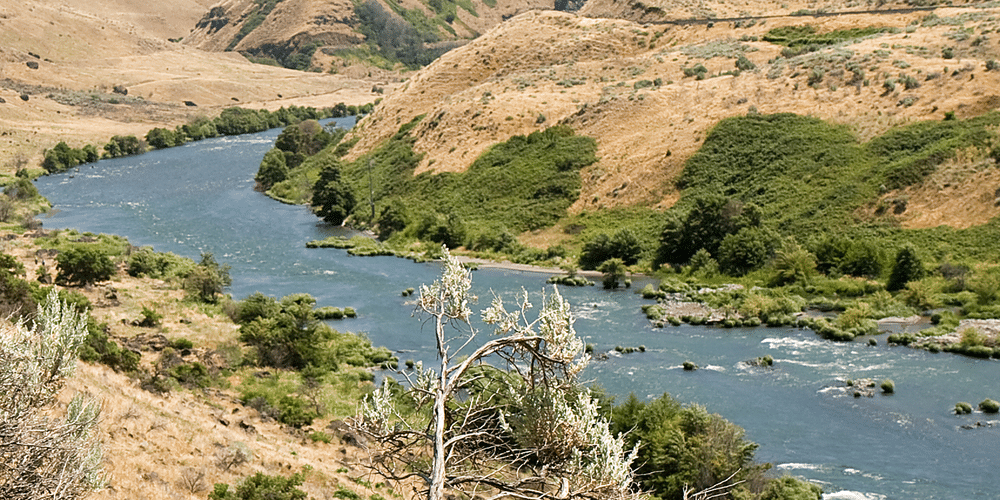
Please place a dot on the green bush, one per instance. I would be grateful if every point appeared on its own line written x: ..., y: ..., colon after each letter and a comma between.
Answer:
x: 791, y: 488
x: 84, y: 264
x: 295, y: 411
x: 145, y: 262
x: 151, y: 318
x: 320, y: 437
x: 273, y: 169
x: 207, y: 280
x: 161, y: 138
x: 181, y: 344
x: 746, y: 250
x: 328, y: 312
x: 288, y: 334
x: 888, y: 386
x: 614, y: 272
x: 261, y: 487
x: 332, y: 197
x: 123, y: 145
x: 989, y: 406
x: 684, y: 447
x: 99, y: 348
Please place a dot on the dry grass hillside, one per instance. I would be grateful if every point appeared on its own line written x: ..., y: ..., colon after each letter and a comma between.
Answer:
x: 333, y: 26
x: 661, y: 10
x: 179, y: 444
x: 83, y: 49
x: 624, y: 84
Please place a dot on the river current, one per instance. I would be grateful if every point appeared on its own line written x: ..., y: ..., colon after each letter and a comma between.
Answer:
x: 200, y: 198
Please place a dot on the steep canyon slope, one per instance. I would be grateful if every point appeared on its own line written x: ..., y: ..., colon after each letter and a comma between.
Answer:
x: 649, y: 93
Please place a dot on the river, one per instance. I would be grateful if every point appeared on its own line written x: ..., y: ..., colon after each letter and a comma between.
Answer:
x: 199, y: 198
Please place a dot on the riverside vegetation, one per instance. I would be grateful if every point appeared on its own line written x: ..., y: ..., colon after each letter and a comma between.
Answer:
x: 794, y: 209
x: 312, y: 372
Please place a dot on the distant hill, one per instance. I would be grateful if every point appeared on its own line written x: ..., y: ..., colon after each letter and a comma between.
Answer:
x: 350, y: 37
x: 61, y: 61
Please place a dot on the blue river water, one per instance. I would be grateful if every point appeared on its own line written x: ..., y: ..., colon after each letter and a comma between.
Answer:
x: 200, y: 198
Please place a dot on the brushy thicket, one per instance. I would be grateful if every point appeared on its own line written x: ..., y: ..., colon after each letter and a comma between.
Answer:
x: 539, y: 172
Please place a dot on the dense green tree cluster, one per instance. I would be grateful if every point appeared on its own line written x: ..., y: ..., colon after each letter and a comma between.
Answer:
x: 687, y: 446
x: 295, y: 143
x: 623, y: 245
x: 123, y: 145
x: 286, y: 333
x: 712, y: 220
x: 63, y: 157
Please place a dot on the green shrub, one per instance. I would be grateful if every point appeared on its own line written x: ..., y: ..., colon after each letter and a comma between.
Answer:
x: 99, y: 348
x: 84, y: 264
x: 614, y: 272
x: 151, y: 318
x: 161, y: 138
x: 346, y: 494
x: 682, y: 447
x: 145, y: 262
x: 123, y: 145
x: 181, y: 343
x: 791, y: 488
x: 295, y: 411
x: 963, y: 408
x: 698, y: 71
x: 207, y: 280
x: 989, y: 406
x: 193, y: 374
x: 289, y: 334
x: 320, y: 437
x: 888, y: 386
x: 273, y: 169
x: 260, y: 486
x: 328, y: 312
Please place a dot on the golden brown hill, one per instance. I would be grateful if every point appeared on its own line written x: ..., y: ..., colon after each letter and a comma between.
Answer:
x: 625, y: 85
x: 661, y: 10
x: 333, y: 26
x: 67, y: 56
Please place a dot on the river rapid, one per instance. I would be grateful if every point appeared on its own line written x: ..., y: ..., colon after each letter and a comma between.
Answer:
x: 199, y: 198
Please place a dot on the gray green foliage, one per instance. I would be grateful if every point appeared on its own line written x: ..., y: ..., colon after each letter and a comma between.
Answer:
x: 45, y: 455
